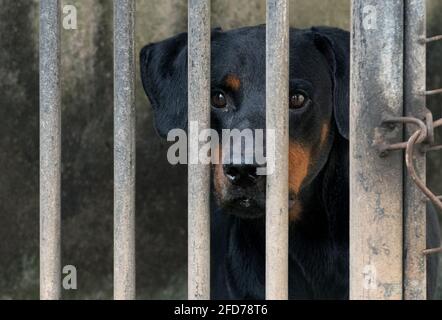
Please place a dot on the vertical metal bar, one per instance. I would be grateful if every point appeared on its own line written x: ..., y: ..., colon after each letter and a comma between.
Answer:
x: 198, y: 174
x: 277, y: 82
x: 415, y: 283
x: 376, y: 200
x: 124, y: 150
x: 50, y: 150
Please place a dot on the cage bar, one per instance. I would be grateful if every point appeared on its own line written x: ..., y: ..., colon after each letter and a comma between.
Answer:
x: 415, y: 283
x: 376, y: 200
x: 124, y: 150
x: 50, y: 150
x: 433, y: 92
x: 431, y: 39
x: 198, y: 173
x: 277, y: 84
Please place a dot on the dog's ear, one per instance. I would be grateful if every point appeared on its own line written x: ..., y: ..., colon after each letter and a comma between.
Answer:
x: 335, y: 45
x: 164, y: 75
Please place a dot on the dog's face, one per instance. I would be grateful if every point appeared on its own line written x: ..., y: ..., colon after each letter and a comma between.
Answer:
x: 317, y: 104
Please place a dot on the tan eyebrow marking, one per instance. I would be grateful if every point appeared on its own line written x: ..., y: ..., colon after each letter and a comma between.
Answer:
x: 232, y: 82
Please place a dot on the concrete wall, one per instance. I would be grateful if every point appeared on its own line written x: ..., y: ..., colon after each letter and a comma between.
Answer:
x: 87, y: 143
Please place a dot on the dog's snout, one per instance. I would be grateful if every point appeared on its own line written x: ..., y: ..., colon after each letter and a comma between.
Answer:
x: 243, y: 175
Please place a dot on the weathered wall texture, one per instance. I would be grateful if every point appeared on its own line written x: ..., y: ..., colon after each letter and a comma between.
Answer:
x: 87, y: 143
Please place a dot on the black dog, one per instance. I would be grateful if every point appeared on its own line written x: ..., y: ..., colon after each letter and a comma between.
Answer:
x: 318, y: 157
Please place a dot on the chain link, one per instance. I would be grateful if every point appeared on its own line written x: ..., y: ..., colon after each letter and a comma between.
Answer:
x: 424, y: 137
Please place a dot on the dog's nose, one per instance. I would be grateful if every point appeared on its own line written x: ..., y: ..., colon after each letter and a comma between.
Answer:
x: 243, y: 175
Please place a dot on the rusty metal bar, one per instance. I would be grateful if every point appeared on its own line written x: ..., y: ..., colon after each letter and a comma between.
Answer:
x: 420, y: 183
x: 432, y: 251
x: 434, y: 146
x: 426, y: 135
x: 424, y: 39
x: 124, y: 150
x: 50, y: 150
x: 198, y: 173
x: 376, y: 200
x: 277, y: 81
x: 415, y: 271
x: 384, y: 148
x: 433, y: 92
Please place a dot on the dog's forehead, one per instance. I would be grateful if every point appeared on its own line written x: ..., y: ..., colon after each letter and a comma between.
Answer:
x: 243, y: 52
x: 238, y: 51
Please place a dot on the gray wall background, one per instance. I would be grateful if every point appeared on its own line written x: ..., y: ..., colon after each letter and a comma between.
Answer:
x: 87, y: 126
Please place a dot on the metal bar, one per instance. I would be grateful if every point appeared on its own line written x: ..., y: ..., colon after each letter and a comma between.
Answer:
x: 435, y: 148
x: 376, y: 200
x: 124, y: 150
x: 50, y: 150
x: 415, y: 283
x: 432, y: 92
x: 198, y: 173
x: 431, y: 39
x: 432, y: 251
x: 409, y: 156
x: 277, y: 81
x: 384, y: 148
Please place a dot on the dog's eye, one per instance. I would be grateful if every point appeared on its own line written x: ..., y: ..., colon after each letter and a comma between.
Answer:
x: 297, y: 101
x: 219, y: 100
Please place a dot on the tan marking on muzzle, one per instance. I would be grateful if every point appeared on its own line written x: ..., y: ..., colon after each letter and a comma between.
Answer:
x: 295, y: 212
x: 324, y: 132
x: 299, y: 163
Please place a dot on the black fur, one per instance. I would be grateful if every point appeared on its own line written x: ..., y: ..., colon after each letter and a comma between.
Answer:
x: 319, y: 240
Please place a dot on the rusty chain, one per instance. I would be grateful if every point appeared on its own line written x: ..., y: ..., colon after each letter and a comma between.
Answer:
x: 423, y: 137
